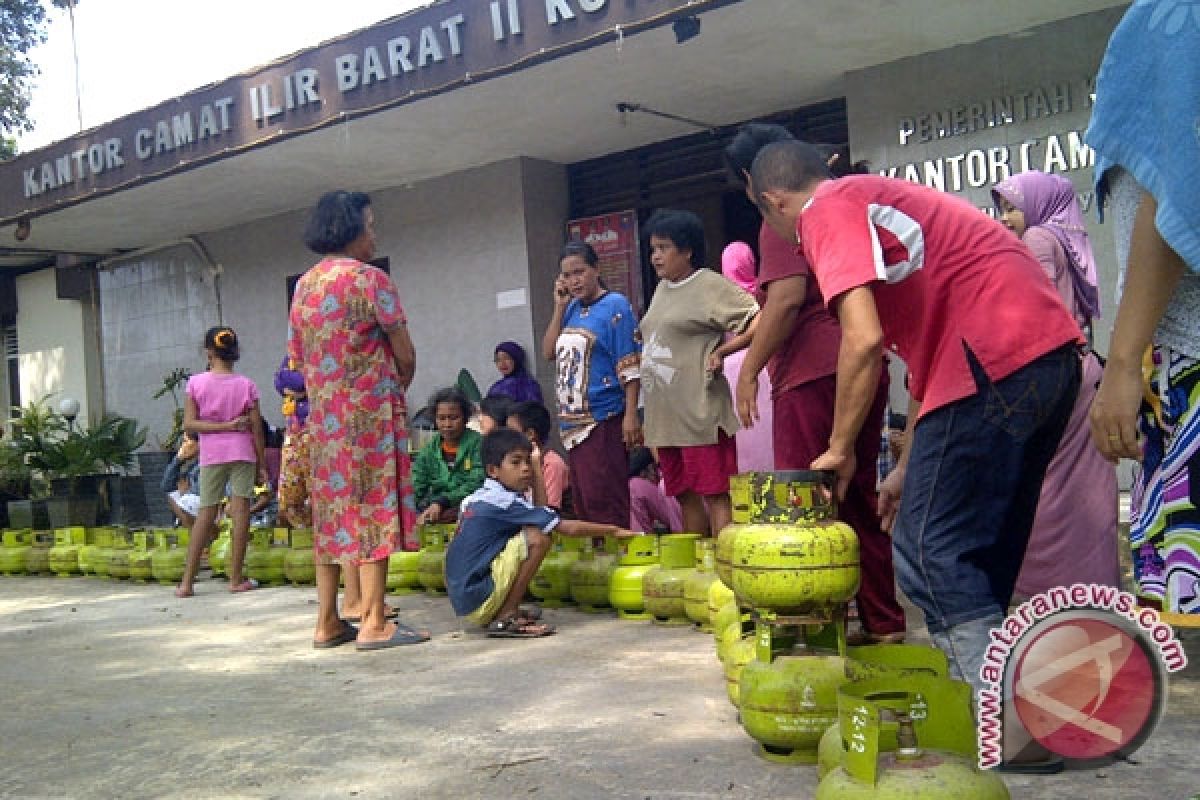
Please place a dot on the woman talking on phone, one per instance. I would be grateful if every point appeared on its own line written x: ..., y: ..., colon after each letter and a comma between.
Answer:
x: 591, y: 338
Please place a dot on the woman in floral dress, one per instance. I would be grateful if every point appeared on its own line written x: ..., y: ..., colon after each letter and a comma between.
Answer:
x: 347, y: 334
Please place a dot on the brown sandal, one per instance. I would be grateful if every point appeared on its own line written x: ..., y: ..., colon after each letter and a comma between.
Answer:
x: 518, y: 628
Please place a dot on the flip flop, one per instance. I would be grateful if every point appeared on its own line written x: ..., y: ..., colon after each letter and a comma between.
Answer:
x: 349, y: 634
x: 530, y: 612
x: 390, y: 612
x: 403, y: 635
x: 245, y: 586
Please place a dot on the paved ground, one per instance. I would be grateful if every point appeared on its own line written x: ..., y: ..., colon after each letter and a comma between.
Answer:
x: 118, y: 690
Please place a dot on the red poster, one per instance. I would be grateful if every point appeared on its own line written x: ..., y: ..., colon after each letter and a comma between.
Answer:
x: 614, y: 237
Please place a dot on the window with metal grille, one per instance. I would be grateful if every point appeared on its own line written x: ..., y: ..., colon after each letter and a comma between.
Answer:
x: 11, y: 363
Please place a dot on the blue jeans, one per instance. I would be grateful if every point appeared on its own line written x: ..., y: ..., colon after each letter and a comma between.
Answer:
x: 972, y: 486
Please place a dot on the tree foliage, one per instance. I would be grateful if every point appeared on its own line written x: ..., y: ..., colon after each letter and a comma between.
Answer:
x: 22, y: 28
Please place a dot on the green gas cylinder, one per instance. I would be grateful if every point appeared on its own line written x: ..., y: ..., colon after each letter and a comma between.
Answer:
x: 719, y: 596
x: 218, y: 551
x: 37, y: 558
x: 13, y: 547
x: 794, y: 568
x: 787, y: 704
x: 635, y: 557
x: 258, y: 550
x: 169, y: 555
x: 100, y: 552
x: 935, y: 743
x: 64, y: 554
x: 552, y: 583
x: 275, y: 573
x: 140, y: 557
x: 431, y: 561
x: 299, y: 565
x: 663, y: 587
x: 589, y: 581
x: 403, y: 576
x: 118, y: 554
x: 89, y: 551
x: 737, y: 655
x: 697, y: 583
x: 897, y: 664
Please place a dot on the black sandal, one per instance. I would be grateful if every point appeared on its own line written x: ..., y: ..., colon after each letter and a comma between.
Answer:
x: 517, y: 628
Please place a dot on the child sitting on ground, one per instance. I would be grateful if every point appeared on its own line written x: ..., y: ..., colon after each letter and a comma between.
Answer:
x: 650, y: 507
x: 494, y: 412
x: 533, y: 420
x: 448, y: 467
x: 502, y: 539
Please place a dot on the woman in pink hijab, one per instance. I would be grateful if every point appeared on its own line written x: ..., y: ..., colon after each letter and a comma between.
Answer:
x: 1074, y: 535
x: 754, y: 449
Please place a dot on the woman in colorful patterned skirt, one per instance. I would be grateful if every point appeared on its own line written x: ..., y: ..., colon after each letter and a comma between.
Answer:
x: 348, y: 337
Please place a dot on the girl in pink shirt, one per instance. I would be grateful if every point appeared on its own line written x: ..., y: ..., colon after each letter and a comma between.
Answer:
x: 222, y: 407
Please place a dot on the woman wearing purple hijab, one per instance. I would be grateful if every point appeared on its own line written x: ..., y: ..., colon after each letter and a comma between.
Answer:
x: 1074, y: 537
x: 515, y: 381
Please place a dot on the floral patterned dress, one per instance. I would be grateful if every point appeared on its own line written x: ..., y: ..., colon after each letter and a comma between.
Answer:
x: 362, y: 503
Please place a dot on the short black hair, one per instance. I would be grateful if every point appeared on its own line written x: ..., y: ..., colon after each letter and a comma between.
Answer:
x: 498, y: 407
x: 338, y: 219
x: 533, y: 416
x: 788, y: 166
x: 683, y: 228
x: 223, y: 341
x: 578, y: 247
x: 453, y: 395
x: 640, y: 457
x: 501, y: 442
x: 750, y: 138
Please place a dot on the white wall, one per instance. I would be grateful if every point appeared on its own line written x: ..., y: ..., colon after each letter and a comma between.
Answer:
x: 53, y: 337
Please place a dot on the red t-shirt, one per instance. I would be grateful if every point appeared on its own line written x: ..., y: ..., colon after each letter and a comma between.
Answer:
x: 943, y: 275
x: 811, y: 351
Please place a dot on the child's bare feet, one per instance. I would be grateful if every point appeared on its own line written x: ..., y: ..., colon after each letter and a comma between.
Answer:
x: 184, y: 591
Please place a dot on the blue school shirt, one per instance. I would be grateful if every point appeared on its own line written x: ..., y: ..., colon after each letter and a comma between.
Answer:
x: 490, y: 517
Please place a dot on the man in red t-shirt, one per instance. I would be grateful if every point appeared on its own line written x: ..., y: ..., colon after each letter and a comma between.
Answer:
x: 797, y: 340
x: 993, y: 372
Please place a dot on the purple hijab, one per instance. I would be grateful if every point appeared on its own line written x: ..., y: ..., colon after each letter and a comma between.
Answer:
x: 520, y: 385
x: 1049, y: 201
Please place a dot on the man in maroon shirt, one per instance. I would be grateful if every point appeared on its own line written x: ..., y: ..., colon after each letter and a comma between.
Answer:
x: 797, y: 340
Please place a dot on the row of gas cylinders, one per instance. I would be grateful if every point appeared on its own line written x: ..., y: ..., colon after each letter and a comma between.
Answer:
x: 273, y: 555
x: 113, y: 552
x: 880, y: 721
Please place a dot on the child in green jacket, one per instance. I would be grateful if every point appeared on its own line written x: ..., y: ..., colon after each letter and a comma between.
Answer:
x: 450, y: 466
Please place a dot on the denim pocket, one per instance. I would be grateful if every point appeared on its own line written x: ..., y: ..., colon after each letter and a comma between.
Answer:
x: 1015, y: 409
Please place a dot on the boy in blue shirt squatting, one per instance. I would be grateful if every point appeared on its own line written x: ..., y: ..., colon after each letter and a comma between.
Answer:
x: 502, y: 539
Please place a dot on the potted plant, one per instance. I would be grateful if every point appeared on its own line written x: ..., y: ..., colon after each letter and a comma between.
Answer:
x: 79, y: 463
x: 25, y: 489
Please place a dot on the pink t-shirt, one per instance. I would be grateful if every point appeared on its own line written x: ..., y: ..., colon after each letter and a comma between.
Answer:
x: 221, y: 397
x: 943, y: 275
x: 554, y: 473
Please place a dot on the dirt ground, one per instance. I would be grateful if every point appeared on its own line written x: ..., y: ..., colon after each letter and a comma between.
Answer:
x: 119, y: 690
